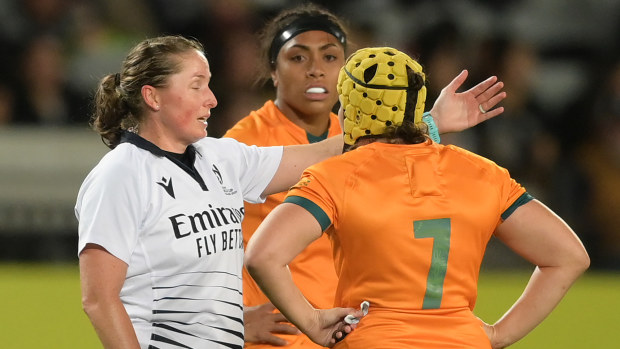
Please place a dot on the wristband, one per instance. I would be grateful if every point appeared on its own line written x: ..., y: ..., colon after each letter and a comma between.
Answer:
x: 433, y: 132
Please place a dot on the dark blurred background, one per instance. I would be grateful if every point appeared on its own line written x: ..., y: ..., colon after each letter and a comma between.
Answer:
x: 559, y: 59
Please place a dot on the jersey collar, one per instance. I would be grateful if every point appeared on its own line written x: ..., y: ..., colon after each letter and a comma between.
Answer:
x: 135, y: 139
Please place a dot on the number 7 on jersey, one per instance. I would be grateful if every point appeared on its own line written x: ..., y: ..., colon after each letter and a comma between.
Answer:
x: 439, y: 231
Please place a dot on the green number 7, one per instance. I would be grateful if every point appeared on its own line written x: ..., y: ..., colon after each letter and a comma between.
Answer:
x: 439, y: 230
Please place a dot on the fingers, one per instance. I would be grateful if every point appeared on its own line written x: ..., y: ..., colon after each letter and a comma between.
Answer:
x: 456, y: 82
x: 484, y: 86
x: 268, y: 337
x: 494, y: 99
x: 262, y: 323
x: 486, y: 116
x: 277, y: 317
x: 490, y: 103
x: 488, y: 99
x: 346, y: 327
x: 285, y: 329
x: 340, y: 334
x: 274, y: 340
x: 492, y: 95
x: 267, y: 306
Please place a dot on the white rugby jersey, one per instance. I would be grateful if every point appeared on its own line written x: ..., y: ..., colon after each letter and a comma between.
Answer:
x: 179, y: 234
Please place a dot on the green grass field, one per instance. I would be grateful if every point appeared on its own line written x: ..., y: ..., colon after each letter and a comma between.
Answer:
x: 41, y: 309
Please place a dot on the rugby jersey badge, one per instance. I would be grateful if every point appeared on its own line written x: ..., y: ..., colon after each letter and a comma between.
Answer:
x: 166, y: 183
x: 227, y: 191
x: 302, y: 183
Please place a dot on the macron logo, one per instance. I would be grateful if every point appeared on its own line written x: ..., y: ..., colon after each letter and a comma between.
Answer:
x: 167, y: 184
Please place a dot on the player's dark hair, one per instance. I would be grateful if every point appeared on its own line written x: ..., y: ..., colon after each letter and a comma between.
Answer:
x: 408, y: 132
x: 118, y: 100
x: 275, y: 27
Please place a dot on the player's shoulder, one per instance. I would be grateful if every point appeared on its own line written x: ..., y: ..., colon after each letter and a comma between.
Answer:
x: 466, y: 154
x: 255, y: 126
x: 344, y: 164
x: 469, y: 158
x: 242, y: 126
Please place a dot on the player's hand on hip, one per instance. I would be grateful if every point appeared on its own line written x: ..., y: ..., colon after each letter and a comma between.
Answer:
x: 491, y: 333
x: 262, y: 324
x: 330, y: 327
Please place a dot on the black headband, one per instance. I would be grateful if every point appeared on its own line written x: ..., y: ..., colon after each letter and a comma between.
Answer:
x: 301, y: 25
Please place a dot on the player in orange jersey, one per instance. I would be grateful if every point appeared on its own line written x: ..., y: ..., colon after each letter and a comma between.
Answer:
x: 409, y: 220
x: 304, y: 49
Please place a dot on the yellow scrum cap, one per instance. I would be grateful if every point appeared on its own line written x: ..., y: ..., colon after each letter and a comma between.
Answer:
x: 373, y: 87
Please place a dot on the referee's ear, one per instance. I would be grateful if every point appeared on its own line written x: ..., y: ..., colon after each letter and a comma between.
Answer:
x: 151, y: 97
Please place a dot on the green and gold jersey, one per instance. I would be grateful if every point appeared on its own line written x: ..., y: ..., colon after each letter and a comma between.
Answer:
x: 409, y: 225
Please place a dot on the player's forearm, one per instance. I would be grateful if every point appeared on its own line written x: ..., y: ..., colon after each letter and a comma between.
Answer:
x: 278, y: 285
x: 296, y: 158
x: 112, y: 324
x: 544, y: 291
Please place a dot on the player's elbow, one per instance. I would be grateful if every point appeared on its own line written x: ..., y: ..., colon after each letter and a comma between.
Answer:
x: 254, y: 260
x: 581, y: 261
x: 576, y: 261
x: 258, y: 262
x: 91, y: 303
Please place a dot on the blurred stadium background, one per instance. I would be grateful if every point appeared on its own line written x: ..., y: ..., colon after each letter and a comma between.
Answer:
x: 559, y: 136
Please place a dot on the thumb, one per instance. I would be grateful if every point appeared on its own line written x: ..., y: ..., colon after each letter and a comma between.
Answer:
x: 342, y: 312
x: 353, y: 316
x: 457, y: 81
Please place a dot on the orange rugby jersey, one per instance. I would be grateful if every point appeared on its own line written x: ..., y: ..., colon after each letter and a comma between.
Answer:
x: 313, y: 270
x: 409, y: 226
